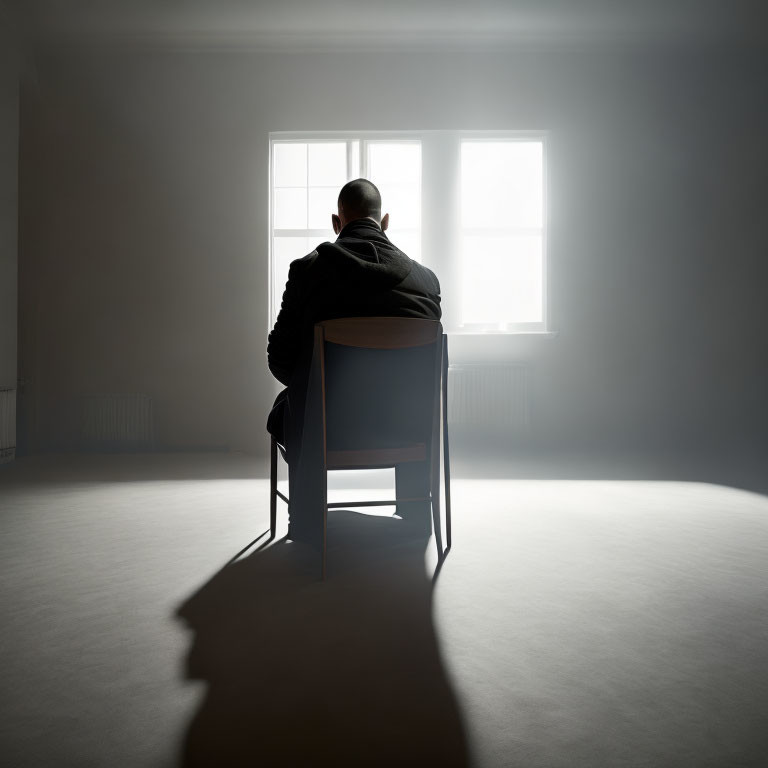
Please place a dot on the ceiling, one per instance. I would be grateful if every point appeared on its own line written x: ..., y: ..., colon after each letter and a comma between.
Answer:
x: 400, y: 23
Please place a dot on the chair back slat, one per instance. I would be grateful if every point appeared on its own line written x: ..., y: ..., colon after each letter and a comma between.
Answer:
x: 381, y: 332
x: 376, y: 380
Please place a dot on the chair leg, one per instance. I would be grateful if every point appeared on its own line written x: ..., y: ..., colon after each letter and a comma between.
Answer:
x: 447, y: 472
x: 325, y: 521
x: 446, y: 459
x: 325, y: 542
x: 273, y: 489
x: 436, y: 506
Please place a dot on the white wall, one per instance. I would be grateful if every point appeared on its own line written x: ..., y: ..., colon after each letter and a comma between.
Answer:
x: 144, y: 224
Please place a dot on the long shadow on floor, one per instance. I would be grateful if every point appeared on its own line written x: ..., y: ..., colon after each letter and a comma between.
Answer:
x: 308, y: 673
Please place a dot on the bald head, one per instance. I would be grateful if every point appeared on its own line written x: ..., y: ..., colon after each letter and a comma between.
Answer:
x: 359, y: 199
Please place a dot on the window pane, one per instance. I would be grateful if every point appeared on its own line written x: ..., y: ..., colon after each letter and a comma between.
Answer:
x: 284, y: 251
x: 502, y: 279
x: 322, y: 203
x: 328, y: 164
x: 402, y: 203
x: 395, y: 168
x: 502, y: 184
x: 394, y: 162
x: 290, y: 165
x: 290, y: 208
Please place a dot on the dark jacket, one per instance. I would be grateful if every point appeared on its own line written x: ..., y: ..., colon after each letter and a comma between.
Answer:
x: 361, y: 274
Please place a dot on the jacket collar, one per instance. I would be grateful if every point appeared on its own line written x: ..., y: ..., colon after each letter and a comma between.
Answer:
x: 361, y: 228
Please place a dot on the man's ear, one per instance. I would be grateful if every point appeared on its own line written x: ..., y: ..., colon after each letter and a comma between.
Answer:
x: 385, y: 222
x: 336, y: 223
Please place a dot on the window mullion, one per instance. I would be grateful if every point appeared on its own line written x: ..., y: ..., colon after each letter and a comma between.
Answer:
x: 364, y: 158
x: 306, y: 190
x: 300, y: 233
x: 440, y: 217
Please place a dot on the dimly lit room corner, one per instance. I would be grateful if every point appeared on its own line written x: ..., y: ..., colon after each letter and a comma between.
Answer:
x: 588, y: 181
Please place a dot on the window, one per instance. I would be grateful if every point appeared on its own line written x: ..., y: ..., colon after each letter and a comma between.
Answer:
x: 502, y: 233
x: 470, y: 206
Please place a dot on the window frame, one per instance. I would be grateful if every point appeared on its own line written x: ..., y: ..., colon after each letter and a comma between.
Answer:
x: 446, y: 262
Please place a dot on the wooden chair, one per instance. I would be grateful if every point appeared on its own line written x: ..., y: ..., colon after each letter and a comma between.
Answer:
x: 382, y: 333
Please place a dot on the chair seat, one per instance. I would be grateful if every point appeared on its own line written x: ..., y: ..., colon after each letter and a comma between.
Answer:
x: 376, y: 457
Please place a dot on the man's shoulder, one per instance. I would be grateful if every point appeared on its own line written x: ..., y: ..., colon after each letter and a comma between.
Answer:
x: 425, y: 275
x: 305, y: 261
x: 298, y: 267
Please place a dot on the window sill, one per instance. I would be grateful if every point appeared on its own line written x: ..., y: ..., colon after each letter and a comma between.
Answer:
x: 486, y: 334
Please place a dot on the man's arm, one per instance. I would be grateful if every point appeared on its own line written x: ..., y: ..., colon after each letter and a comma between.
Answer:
x: 284, y: 341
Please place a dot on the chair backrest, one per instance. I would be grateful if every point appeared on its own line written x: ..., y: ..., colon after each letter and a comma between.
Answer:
x: 381, y: 332
x: 380, y: 379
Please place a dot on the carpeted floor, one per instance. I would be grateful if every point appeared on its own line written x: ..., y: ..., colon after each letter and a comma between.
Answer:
x: 588, y: 621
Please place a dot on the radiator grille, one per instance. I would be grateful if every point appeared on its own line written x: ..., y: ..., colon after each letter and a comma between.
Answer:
x: 7, y: 424
x: 118, y: 422
x: 490, y: 397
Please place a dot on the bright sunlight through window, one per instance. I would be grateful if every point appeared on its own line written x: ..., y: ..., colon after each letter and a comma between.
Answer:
x: 502, y: 233
x: 487, y: 191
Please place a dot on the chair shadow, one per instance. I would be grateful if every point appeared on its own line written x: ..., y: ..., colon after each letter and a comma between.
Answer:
x: 302, y: 672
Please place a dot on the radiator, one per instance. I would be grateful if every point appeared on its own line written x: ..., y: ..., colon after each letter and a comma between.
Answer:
x: 7, y: 425
x: 493, y: 398
x: 118, y: 422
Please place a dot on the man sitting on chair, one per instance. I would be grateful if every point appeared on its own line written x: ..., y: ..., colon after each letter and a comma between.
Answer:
x: 361, y: 274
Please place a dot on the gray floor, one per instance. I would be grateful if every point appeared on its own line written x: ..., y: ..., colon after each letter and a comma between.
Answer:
x: 588, y: 615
